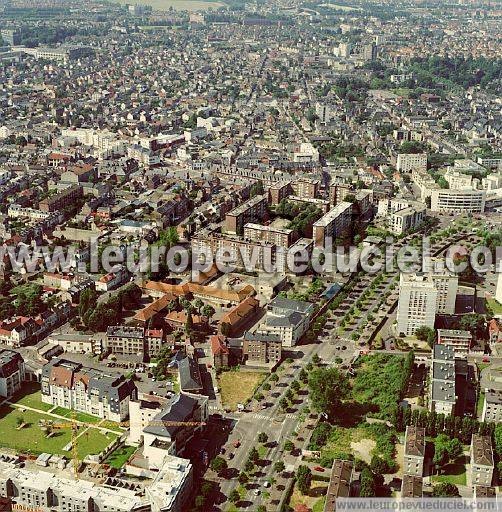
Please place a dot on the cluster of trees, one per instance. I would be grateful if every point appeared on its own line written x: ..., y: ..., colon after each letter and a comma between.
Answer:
x: 427, y: 334
x: 351, y: 89
x: 99, y: 316
x: 201, y: 500
x: 301, y: 217
x: 446, y: 450
x: 28, y: 300
x: 461, y: 71
x: 453, y: 426
x: 163, y: 359
x: 327, y: 388
x: 382, y: 382
x: 412, y: 147
x: 303, y: 479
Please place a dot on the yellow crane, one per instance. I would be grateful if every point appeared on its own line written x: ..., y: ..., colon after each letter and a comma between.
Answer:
x: 74, y: 444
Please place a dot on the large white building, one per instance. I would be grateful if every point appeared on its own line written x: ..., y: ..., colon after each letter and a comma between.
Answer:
x: 422, y: 296
x: 412, y: 161
x: 458, y: 201
x: 72, y: 386
x: 417, y: 303
x: 401, y: 214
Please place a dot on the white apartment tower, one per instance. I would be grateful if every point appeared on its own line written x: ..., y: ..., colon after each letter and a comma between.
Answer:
x: 417, y: 303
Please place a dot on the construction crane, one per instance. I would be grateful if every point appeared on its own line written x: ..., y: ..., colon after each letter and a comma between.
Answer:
x: 74, y: 444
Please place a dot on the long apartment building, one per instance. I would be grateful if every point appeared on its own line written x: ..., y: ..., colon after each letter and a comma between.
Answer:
x: 125, y: 340
x: 443, y: 397
x: 458, y: 201
x: 62, y: 199
x: 242, y: 252
x: 168, y: 490
x: 253, y: 210
x: 335, y: 224
x: 281, y: 237
x: 71, y: 385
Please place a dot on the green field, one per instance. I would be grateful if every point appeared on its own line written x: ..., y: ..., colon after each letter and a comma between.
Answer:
x: 31, y: 396
x: 93, y: 441
x: 452, y: 473
x: 120, y: 456
x: 79, y: 416
x: 33, y: 440
x: 494, y: 306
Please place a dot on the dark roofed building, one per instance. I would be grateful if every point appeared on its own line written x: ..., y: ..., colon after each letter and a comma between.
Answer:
x: 414, y: 451
x: 481, y: 460
x: 339, y: 483
x: 12, y: 372
x: 71, y: 385
x: 179, y: 419
x: 412, y: 486
x: 189, y: 372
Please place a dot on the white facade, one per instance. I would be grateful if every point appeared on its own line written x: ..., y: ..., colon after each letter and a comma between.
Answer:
x: 458, y: 201
x: 412, y: 161
x: 417, y: 303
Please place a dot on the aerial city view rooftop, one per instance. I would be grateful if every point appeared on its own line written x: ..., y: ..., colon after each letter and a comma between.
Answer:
x: 250, y: 255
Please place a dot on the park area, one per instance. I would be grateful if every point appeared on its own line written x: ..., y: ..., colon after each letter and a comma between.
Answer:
x: 237, y: 387
x: 24, y: 420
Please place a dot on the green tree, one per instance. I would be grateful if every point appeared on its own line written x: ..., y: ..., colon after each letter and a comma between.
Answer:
x: 234, y: 496
x: 328, y: 387
x: 289, y: 446
x: 445, y: 490
x: 367, y: 479
x: 303, y: 479
x: 279, y: 466
x: 427, y: 334
x: 262, y: 437
x: 248, y: 466
x: 219, y: 464
x: 243, y: 478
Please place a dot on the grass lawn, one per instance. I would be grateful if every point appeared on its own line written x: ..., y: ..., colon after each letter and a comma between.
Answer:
x: 319, y: 505
x: 480, y: 404
x: 120, y: 456
x: 452, y: 473
x: 31, y: 438
x: 238, y: 386
x: 79, y: 416
x: 317, y: 490
x: 93, y: 441
x: 495, y: 307
x: 31, y: 396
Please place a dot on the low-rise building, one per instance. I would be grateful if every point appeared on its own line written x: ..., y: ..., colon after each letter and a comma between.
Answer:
x: 492, y: 407
x: 460, y: 341
x: 481, y: 460
x: 124, y: 340
x: 412, y: 486
x: 287, y: 318
x: 261, y: 349
x: 220, y: 352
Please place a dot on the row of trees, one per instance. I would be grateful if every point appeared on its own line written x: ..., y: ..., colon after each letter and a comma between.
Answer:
x: 461, y: 427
